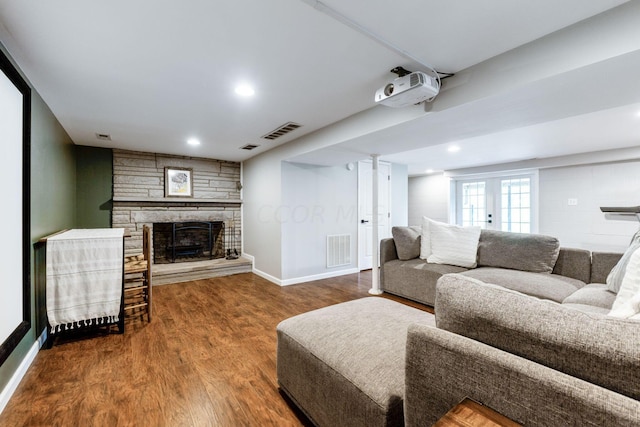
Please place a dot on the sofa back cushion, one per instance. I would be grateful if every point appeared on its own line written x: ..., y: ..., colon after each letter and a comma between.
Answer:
x: 576, y: 263
x: 407, y: 240
x: 517, y: 251
x: 601, y: 264
x: 594, y: 347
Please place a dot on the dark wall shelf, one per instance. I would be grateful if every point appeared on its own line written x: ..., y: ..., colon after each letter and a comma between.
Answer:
x: 627, y: 210
x: 174, y: 202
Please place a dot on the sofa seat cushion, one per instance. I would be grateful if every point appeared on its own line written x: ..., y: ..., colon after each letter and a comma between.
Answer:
x: 540, y: 285
x: 595, y: 295
x: 596, y: 348
x: 344, y: 364
x: 415, y: 279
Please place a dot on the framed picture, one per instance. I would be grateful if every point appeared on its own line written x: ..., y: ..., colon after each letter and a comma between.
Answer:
x: 15, y: 264
x: 178, y: 182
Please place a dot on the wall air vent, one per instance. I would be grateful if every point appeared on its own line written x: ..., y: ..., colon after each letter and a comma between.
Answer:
x: 281, y: 131
x: 249, y: 147
x: 103, y: 136
x: 338, y: 250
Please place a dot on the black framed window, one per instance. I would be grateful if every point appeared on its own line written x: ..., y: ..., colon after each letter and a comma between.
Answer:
x: 15, y: 173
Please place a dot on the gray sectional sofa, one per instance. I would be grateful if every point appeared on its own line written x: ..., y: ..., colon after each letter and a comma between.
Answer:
x: 537, y: 347
x: 532, y: 264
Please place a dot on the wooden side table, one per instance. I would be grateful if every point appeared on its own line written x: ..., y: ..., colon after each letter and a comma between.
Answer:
x: 469, y: 413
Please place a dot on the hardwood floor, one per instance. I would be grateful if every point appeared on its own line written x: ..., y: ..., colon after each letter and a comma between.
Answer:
x: 469, y: 413
x: 208, y: 358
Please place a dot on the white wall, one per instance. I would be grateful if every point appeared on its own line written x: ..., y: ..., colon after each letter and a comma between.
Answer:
x: 580, y: 226
x: 584, y: 225
x: 262, y: 175
x: 262, y: 195
x: 290, y: 209
x: 317, y: 201
x: 428, y: 196
x: 399, y: 194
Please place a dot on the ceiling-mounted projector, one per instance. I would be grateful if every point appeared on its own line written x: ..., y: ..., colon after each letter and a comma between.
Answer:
x: 410, y: 89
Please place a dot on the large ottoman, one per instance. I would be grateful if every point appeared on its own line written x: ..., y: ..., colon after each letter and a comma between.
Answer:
x: 344, y: 364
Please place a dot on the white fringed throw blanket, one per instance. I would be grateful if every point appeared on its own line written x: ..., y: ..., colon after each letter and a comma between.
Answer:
x: 84, y: 277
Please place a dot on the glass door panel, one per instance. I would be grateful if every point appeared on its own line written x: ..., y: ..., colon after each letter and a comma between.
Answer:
x: 498, y: 203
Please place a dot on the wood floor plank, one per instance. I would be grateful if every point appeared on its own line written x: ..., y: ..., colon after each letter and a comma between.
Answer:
x: 207, y: 359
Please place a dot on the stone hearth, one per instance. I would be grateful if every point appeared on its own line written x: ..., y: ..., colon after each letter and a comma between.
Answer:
x: 186, y: 271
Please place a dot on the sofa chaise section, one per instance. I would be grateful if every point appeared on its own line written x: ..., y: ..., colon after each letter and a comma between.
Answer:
x: 443, y: 368
x: 537, y: 362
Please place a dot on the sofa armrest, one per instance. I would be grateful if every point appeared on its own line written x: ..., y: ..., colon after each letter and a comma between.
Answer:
x: 388, y: 252
x: 443, y: 368
x: 601, y: 265
x: 574, y: 263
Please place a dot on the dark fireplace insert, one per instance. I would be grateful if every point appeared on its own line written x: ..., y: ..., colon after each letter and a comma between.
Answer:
x: 187, y: 241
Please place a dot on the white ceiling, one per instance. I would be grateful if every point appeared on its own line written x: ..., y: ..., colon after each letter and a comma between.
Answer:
x: 154, y: 73
x: 608, y: 129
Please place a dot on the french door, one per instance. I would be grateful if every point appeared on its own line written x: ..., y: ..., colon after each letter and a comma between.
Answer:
x: 506, y: 203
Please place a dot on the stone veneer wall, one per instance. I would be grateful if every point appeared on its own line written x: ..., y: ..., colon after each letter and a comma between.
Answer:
x: 138, y: 194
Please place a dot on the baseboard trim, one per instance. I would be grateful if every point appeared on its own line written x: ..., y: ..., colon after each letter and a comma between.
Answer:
x: 328, y: 275
x: 267, y: 276
x: 261, y: 273
x: 13, y: 383
x: 304, y: 279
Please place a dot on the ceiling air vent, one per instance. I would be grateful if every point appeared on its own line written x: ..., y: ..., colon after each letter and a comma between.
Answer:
x: 249, y: 147
x: 281, y: 131
x: 103, y: 136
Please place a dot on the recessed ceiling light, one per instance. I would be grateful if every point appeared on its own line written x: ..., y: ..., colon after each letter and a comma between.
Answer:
x: 453, y: 149
x: 429, y: 171
x: 245, y: 90
x: 193, y: 141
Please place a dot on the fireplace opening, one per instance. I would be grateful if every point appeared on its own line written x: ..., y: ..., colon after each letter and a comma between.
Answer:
x: 187, y: 241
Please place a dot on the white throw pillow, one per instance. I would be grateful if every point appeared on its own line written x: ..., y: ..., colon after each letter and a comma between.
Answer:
x: 614, y: 279
x: 627, y: 303
x: 425, y: 239
x: 452, y: 244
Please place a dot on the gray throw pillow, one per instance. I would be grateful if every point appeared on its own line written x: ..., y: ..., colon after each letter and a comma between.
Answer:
x: 518, y: 251
x: 614, y: 279
x: 407, y: 240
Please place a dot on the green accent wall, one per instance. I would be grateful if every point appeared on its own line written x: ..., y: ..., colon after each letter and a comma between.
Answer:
x: 94, y: 187
x: 53, y: 207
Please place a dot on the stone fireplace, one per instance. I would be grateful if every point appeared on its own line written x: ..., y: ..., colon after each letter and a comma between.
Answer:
x: 139, y: 199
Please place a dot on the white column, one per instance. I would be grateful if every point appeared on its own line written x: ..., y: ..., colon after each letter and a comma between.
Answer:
x: 375, y: 267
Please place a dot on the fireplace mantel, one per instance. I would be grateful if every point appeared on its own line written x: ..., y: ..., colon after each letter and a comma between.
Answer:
x: 174, y: 201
